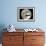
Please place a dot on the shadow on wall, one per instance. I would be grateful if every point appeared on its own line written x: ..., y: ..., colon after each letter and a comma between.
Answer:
x: 2, y: 27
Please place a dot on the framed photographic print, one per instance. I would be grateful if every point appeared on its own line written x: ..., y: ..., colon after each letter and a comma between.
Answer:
x: 26, y: 14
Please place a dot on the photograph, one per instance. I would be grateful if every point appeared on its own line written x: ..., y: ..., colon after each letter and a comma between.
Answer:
x: 26, y: 14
